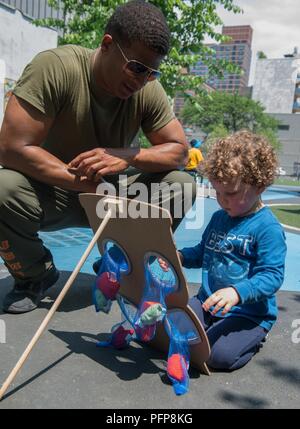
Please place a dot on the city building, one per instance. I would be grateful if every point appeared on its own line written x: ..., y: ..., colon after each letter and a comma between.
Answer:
x: 36, y: 9
x: 289, y: 137
x: 277, y: 83
x: 237, y: 51
x: 20, y: 41
x: 179, y: 99
x: 277, y: 88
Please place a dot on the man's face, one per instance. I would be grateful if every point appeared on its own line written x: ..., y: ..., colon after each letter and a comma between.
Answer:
x: 116, y: 77
x: 236, y: 198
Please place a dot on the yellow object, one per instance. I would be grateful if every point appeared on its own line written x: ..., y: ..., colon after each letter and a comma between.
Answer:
x: 195, y: 157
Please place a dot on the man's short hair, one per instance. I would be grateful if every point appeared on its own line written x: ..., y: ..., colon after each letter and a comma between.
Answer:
x: 140, y: 21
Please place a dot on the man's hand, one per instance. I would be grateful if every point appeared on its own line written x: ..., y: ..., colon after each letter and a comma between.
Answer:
x: 223, y: 298
x: 168, y: 152
x: 101, y: 161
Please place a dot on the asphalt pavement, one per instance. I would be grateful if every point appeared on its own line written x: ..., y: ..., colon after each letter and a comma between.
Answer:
x: 66, y: 370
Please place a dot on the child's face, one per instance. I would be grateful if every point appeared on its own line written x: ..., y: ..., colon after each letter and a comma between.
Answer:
x: 237, y: 198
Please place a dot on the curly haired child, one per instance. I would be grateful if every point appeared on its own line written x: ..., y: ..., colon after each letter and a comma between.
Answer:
x: 242, y: 252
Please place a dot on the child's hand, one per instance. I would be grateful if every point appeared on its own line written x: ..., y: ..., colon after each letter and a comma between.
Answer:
x: 180, y: 255
x: 163, y: 264
x: 227, y: 298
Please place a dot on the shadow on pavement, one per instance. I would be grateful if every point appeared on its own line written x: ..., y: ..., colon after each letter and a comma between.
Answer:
x: 289, y: 374
x: 243, y: 401
x: 36, y: 376
x: 79, y: 295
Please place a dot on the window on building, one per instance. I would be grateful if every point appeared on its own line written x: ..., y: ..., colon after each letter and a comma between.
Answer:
x: 283, y: 127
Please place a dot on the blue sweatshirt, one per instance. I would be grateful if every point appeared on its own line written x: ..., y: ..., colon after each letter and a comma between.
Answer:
x: 247, y: 253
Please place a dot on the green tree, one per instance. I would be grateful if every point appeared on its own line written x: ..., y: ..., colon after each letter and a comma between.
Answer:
x: 144, y: 142
x: 231, y: 112
x: 218, y: 132
x: 261, y: 55
x: 83, y: 23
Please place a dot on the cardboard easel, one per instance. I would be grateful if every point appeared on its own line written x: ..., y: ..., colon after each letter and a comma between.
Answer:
x: 137, y: 237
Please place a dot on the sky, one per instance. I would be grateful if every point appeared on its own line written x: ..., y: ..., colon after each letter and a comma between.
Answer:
x: 275, y: 23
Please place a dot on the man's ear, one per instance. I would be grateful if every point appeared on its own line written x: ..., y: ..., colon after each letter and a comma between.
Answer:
x: 106, y: 42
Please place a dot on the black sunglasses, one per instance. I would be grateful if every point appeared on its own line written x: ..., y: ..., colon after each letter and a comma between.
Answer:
x: 136, y: 68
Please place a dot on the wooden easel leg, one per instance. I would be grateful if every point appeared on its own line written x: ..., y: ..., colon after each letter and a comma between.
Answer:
x: 54, y: 307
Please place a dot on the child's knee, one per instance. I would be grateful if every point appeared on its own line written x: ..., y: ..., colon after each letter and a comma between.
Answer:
x: 225, y: 359
x: 221, y: 359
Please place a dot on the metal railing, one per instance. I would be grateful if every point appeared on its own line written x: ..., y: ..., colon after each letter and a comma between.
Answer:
x: 35, y: 9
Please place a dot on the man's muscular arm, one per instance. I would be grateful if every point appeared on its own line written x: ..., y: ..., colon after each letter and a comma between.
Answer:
x: 168, y: 152
x: 23, y: 130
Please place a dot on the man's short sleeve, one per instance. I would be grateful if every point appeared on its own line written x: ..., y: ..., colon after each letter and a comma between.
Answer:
x: 43, y: 83
x: 156, y: 107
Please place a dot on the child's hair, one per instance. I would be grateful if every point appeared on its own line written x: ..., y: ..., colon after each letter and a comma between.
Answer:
x: 242, y: 155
